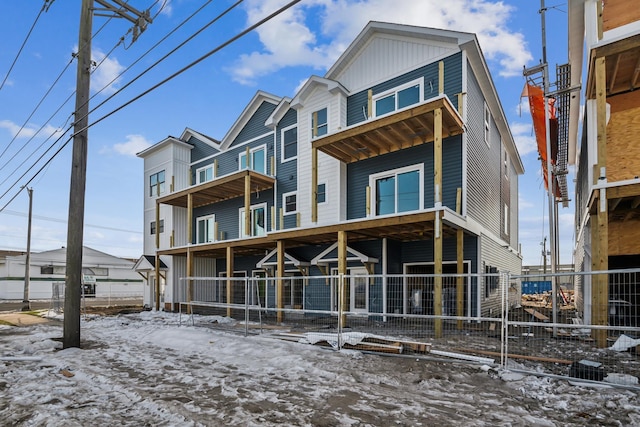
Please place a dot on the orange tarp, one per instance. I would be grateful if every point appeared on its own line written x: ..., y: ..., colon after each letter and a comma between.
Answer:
x: 536, y: 105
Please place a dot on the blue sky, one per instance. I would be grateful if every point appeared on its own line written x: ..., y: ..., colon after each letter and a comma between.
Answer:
x: 277, y: 58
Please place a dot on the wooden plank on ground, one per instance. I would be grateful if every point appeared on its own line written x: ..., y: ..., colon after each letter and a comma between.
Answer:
x: 516, y: 356
x: 537, y: 314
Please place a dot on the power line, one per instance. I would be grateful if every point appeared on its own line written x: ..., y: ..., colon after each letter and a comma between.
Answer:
x: 197, y: 61
x: 64, y: 221
x: 43, y: 9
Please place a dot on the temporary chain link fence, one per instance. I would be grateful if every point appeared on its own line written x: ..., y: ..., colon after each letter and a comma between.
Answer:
x: 496, y: 319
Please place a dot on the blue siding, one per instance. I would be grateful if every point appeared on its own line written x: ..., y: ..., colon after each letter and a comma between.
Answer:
x: 357, y: 103
x: 201, y: 149
x: 358, y: 174
x: 255, y: 126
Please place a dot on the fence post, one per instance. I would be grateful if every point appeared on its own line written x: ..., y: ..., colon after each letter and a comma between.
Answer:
x: 504, y: 335
x: 246, y: 306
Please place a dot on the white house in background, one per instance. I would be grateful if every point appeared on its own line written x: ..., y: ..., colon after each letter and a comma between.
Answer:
x: 105, y: 275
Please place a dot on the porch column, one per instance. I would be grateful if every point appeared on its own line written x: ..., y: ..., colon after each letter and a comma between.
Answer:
x: 189, y: 218
x: 600, y: 227
x: 437, y: 237
x: 342, y: 270
x: 280, y: 275
x: 229, y: 278
x: 247, y: 204
x: 157, y: 284
x: 314, y: 184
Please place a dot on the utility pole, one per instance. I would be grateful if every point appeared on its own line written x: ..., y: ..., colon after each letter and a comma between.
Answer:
x: 73, y: 284
x: 26, y: 305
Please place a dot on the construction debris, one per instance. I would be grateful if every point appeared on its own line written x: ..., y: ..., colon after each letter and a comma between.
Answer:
x: 359, y: 341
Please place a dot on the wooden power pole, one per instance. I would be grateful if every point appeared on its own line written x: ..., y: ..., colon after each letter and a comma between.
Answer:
x: 26, y: 304
x: 75, y: 225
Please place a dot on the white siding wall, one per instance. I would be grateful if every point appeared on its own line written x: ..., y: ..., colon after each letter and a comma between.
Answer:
x: 329, y: 169
x: 400, y: 55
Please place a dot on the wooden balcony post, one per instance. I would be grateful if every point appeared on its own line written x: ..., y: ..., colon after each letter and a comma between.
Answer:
x: 437, y: 239
x: 247, y: 204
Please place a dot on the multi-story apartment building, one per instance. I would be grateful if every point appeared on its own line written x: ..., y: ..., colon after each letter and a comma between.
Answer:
x: 607, y: 156
x: 398, y: 161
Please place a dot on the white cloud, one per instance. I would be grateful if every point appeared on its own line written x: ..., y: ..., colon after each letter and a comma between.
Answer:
x: 29, y: 130
x: 133, y: 145
x: 288, y: 40
x: 524, y: 137
x: 104, y: 78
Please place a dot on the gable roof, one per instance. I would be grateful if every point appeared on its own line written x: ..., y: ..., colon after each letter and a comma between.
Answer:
x: 160, y: 145
x: 246, y: 114
x: 147, y: 263
x: 278, y: 113
x: 312, y: 83
x: 188, y: 133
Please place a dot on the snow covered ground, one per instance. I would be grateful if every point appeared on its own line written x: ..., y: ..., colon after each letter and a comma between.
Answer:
x: 145, y: 369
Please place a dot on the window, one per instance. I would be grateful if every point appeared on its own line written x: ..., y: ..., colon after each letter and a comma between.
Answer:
x: 204, y: 174
x: 289, y: 143
x: 319, y: 124
x: 397, y: 191
x: 153, y: 227
x: 506, y: 219
x: 289, y: 202
x: 257, y: 221
x: 487, y: 123
x: 397, y: 98
x: 156, y: 184
x: 205, y: 229
x: 322, y: 193
x: 53, y: 269
x: 257, y: 159
x: 506, y: 165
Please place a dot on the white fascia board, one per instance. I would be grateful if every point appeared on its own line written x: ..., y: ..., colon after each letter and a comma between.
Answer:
x: 160, y: 145
x: 246, y: 114
x: 279, y: 112
x: 481, y: 71
x: 314, y: 81
x: 576, y: 26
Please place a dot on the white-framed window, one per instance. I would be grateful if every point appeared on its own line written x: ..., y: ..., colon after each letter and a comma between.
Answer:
x: 319, y: 123
x: 505, y: 162
x: 156, y: 184
x: 206, y: 229
x: 257, y: 159
x: 399, y: 190
x: 290, y: 203
x: 257, y: 222
x: 506, y: 219
x: 204, y: 174
x: 289, y: 143
x: 398, y: 98
x: 487, y: 124
x: 322, y: 192
x: 153, y: 227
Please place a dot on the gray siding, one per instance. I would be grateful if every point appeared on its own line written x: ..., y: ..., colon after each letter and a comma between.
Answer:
x: 483, y: 163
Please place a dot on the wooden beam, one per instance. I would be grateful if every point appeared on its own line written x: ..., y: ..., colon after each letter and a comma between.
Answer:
x: 369, y: 103
x: 230, y: 269
x: 189, y: 219
x: 157, y: 282
x: 247, y: 205
x: 441, y: 77
x: 157, y: 225
x: 314, y: 184
x: 614, y: 72
x: 437, y: 157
